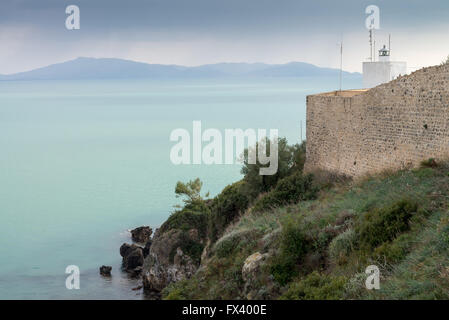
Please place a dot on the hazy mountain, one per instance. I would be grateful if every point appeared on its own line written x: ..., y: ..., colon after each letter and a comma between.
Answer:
x: 92, y: 68
x: 298, y: 69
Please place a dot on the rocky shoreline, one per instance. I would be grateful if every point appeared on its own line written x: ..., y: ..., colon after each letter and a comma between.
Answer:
x: 158, y: 260
x: 133, y: 254
x: 166, y: 261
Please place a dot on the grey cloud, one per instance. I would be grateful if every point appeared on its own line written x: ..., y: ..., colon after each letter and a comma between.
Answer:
x: 230, y: 16
x: 253, y: 22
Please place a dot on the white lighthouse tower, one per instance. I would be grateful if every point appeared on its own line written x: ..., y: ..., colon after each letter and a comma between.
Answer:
x: 383, y: 70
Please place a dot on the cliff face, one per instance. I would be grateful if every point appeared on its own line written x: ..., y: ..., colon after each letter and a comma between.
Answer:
x: 393, y: 126
x: 176, y: 248
x: 166, y: 262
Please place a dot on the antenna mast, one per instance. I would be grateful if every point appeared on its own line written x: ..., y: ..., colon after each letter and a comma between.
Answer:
x: 341, y: 62
x: 372, y: 44
x: 389, y: 44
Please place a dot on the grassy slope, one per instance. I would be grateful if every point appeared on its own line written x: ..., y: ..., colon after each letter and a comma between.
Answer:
x: 414, y: 264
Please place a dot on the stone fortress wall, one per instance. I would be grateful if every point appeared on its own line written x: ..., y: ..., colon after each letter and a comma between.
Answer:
x: 392, y: 126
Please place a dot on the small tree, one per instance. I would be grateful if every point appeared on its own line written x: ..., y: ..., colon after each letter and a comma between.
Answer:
x: 290, y: 160
x: 191, y: 190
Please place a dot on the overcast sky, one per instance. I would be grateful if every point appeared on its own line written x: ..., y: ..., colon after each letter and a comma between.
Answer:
x: 194, y: 32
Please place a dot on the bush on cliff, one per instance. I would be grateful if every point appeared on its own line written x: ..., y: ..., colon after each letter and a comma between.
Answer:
x: 234, y: 242
x: 293, y: 247
x: 382, y: 225
x: 192, y: 216
x: 290, y: 160
x: 381, y: 234
x: 226, y: 207
x: 316, y: 287
x: 291, y: 189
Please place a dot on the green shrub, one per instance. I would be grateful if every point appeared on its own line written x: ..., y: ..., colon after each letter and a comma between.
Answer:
x: 236, y: 243
x: 225, y: 208
x: 391, y: 252
x: 291, y: 189
x: 187, y: 219
x: 383, y: 225
x: 180, y: 290
x: 316, y: 287
x: 290, y: 160
x: 341, y: 246
x: 284, y: 271
x: 293, y: 248
x: 175, y: 294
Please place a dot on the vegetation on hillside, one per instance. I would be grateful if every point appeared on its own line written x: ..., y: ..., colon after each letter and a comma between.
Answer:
x: 318, y: 234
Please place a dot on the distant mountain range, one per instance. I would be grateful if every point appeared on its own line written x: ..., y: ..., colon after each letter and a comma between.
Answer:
x: 106, y: 68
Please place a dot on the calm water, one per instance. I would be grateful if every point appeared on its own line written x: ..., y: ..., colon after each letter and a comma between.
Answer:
x: 82, y: 162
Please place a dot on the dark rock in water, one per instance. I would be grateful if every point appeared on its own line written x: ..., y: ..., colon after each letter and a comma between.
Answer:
x: 134, y: 259
x: 136, y: 271
x: 146, y: 249
x: 105, y: 271
x: 125, y: 249
x: 132, y: 256
x: 141, y: 234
